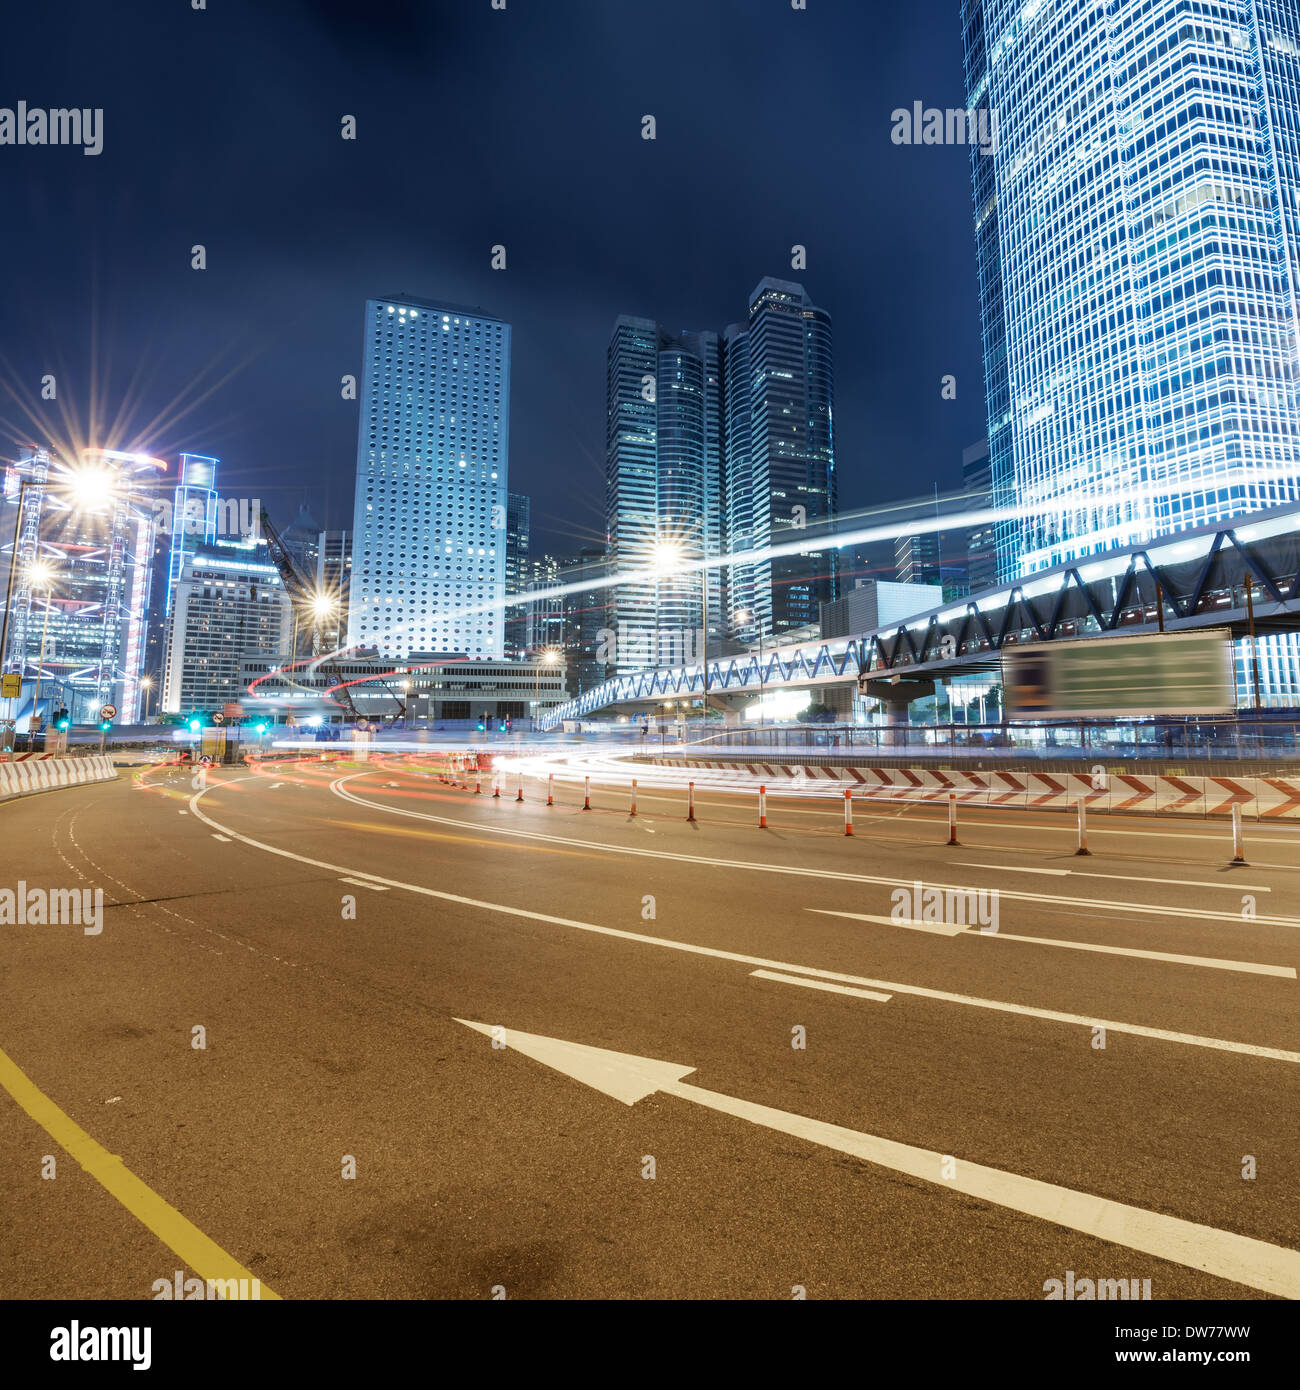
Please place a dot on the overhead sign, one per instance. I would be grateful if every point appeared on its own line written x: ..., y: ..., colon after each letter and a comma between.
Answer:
x: 11, y: 685
x: 1174, y: 673
x: 108, y: 711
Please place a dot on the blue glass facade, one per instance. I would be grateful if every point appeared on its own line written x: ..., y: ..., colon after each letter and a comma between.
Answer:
x: 1136, y: 233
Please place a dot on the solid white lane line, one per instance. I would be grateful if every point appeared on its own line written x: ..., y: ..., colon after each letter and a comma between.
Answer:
x: 820, y: 984
x: 752, y: 866
x: 1247, y: 967
x: 1123, y: 878
x: 943, y: 996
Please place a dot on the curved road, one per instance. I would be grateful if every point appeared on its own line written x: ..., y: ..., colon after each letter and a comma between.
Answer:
x: 951, y: 1126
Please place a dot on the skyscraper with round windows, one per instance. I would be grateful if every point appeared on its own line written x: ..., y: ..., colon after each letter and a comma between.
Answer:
x: 428, y: 564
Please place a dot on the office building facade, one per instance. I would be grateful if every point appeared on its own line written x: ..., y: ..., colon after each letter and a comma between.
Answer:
x: 1137, y: 233
x: 718, y: 444
x: 428, y: 567
x: 519, y: 572
x: 82, y: 570
x: 229, y: 605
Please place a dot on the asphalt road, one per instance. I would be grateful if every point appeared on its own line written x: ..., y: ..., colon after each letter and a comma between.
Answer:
x: 327, y: 924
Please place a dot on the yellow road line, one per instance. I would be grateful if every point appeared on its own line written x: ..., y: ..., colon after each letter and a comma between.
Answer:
x: 201, y: 1254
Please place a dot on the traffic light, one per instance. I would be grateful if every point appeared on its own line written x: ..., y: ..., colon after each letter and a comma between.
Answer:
x: 195, y: 724
x: 260, y: 728
x: 482, y: 728
x: 61, y: 720
x: 106, y: 724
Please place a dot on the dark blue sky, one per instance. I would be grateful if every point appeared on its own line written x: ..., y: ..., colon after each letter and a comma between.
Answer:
x: 477, y: 126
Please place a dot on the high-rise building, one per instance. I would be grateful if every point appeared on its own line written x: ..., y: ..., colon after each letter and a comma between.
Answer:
x: 587, y: 655
x: 333, y: 580
x: 229, y: 606
x: 544, y: 616
x: 1137, y: 230
x: 780, y: 455
x: 82, y: 569
x: 428, y: 569
x: 718, y: 444
x: 981, y: 539
x: 519, y: 572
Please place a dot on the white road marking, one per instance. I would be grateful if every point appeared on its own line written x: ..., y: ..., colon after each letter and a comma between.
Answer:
x: 934, y: 928
x: 821, y: 984
x: 1123, y: 878
x: 183, y: 813
x: 361, y: 883
x: 224, y: 838
x: 920, y: 991
x: 1282, y: 972
x: 1223, y: 1254
x: 753, y: 866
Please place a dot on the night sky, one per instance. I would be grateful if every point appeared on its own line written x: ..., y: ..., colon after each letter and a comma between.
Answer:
x: 474, y: 126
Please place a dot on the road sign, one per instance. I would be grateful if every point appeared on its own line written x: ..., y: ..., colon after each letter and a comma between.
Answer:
x: 218, y: 718
x: 108, y: 711
x: 11, y: 685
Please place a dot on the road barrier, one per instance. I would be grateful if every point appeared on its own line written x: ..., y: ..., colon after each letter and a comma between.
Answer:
x: 848, y: 811
x: 586, y: 793
x: 690, y: 801
x: 1238, y: 849
x: 47, y: 774
x: 762, y: 808
x: 550, y: 789
x: 1082, y: 847
x: 1103, y: 789
x: 633, y: 810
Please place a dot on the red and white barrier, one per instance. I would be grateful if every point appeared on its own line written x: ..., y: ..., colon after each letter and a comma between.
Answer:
x: 46, y: 774
x: 1262, y: 798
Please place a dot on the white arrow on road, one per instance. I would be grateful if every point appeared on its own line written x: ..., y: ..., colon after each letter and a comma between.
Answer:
x: 1242, y: 1259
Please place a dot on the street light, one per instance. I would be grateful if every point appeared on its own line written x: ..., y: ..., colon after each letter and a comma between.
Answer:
x: 549, y: 657
x: 146, y: 684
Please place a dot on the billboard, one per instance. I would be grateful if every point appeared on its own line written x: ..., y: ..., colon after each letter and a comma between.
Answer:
x: 1174, y: 673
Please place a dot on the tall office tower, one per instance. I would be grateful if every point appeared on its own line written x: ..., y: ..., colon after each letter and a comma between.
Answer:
x: 981, y: 540
x: 780, y: 455
x: 585, y: 650
x: 519, y: 572
x: 428, y: 569
x: 229, y: 606
x: 81, y: 574
x: 1137, y: 230
x: 302, y: 540
x: 193, y: 515
x: 543, y: 617
x: 184, y: 521
x: 333, y: 579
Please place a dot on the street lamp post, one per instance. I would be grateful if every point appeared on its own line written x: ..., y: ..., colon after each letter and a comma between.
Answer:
x: 744, y: 616
x: 146, y: 684
x: 548, y: 658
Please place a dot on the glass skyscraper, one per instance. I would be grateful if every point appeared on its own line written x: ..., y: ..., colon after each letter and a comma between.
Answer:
x: 1136, y: 231
x: 428, y: 564
x: 1137, y: 234
x: 717, y: 444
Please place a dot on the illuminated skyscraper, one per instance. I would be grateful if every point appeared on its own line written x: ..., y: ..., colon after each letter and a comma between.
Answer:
x: 1137, y: 232
x: 428, y: 569
x: 81, y: 574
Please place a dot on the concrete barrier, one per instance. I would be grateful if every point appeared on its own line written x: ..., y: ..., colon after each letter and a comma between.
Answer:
x: 1260, y: 798
x: 45, y: 774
